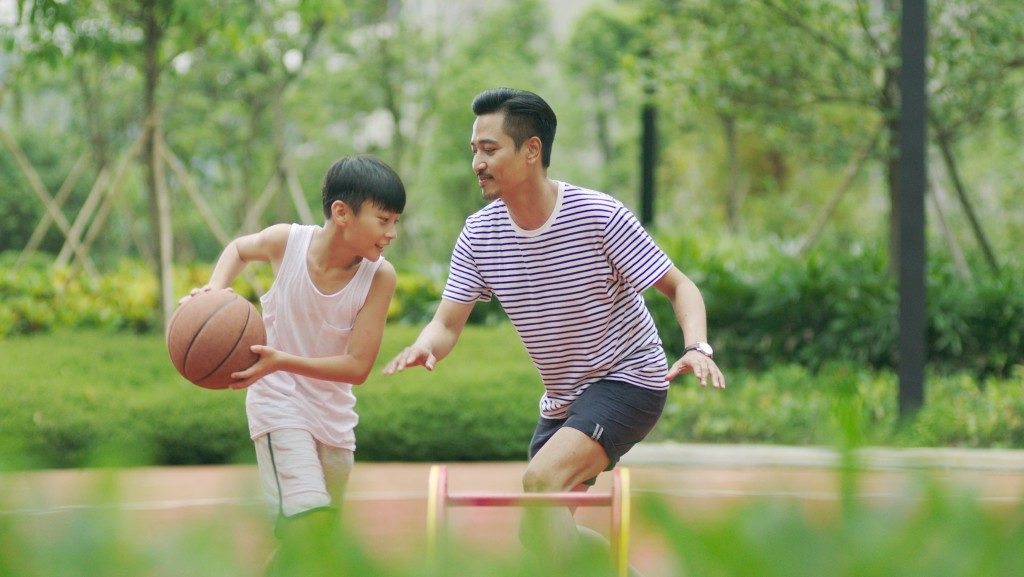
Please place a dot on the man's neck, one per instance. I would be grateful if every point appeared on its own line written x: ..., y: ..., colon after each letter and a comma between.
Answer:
x: 531, y: 206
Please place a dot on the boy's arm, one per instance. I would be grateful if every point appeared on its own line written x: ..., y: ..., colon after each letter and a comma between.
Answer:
x: 268, y: 245
x: 436, y: 340
x: 692, y: 317
x: 355, y: 364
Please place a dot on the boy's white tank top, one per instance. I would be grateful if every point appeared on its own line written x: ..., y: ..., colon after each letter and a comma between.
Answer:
x: 306, y: 322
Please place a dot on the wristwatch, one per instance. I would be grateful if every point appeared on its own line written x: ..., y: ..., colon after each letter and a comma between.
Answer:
x: 702, y: 348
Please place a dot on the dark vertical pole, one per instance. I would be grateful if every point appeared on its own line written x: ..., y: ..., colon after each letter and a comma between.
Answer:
x: 648, y: 160
x: 912, y: 183
x: 648, y: 138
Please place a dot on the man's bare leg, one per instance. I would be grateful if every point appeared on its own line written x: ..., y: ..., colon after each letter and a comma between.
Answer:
x: 568, y: 459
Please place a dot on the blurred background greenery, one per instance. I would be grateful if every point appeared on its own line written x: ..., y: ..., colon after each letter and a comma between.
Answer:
x: 138, y: 136
x: 776, y: 118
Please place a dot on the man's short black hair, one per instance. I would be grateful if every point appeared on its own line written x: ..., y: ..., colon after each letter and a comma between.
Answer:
x: 526, y: 115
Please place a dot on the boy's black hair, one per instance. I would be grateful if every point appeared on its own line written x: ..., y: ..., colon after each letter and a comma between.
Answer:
x: 526, y: 115
x: 363, y: 178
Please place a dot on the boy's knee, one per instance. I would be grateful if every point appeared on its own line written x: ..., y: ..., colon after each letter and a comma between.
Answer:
x: 310, y: 544
x: 307, y: 525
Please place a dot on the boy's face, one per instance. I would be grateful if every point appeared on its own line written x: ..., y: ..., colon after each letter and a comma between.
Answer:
x: 371, y: 230
x: 496, y: 162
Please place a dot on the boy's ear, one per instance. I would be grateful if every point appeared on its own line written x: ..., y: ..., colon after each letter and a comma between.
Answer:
x: 340, y: 212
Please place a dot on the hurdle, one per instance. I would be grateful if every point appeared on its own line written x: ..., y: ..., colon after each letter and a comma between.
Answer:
x: 439, y: 500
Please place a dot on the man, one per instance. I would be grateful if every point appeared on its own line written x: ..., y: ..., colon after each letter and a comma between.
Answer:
x: 569, y: 266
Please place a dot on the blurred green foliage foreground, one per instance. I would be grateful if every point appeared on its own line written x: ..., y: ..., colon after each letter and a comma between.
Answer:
x: 933, y: 533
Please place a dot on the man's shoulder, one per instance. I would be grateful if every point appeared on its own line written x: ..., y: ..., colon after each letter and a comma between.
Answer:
x: 576, y: 193
x: 495, y: 212
x: 593, y: 203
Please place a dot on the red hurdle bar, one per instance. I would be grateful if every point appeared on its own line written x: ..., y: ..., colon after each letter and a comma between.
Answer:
x: 439, y: 500
x: 570, y: 499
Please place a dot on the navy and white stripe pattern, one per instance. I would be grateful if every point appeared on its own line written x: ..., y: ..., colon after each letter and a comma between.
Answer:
x: 572, y: 288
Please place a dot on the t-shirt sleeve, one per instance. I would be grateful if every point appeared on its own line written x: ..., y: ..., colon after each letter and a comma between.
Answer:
x: 465, y: 284
x: 633, y: 252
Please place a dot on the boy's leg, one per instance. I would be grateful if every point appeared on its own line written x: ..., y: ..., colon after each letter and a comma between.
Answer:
x: 337, y: 464
x: 291, y: 473
x: 303, y: 493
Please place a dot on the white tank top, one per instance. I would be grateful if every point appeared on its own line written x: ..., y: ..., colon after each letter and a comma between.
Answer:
x: 303, y: 321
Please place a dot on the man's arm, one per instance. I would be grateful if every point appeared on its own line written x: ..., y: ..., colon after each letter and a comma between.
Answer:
x: 692, y: 318
x: 436, y: 340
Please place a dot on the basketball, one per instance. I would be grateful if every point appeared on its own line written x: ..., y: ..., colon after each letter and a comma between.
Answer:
x: 209, y: 337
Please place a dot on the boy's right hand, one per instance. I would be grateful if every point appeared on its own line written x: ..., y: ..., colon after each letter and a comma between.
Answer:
x: 411, y: 357
x: 195, y: 291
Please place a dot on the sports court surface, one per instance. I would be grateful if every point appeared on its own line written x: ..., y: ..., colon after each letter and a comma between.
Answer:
x: 388, y: 501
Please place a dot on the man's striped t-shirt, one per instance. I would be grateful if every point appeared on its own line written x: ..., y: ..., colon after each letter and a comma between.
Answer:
x: 572, y: 288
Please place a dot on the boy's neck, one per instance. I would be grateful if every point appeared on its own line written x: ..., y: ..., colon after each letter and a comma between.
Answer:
x: 327, y: 251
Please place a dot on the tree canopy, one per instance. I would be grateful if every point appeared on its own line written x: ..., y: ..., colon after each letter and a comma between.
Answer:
x: 221, y: 116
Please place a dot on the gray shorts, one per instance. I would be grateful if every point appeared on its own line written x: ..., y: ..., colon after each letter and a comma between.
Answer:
x: 300, y: 474
x: 615, y: 414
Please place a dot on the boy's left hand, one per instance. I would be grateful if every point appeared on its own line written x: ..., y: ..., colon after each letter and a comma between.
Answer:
x: 702, y: 366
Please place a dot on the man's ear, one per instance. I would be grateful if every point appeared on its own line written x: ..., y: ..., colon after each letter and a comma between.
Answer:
x: 534, y: 149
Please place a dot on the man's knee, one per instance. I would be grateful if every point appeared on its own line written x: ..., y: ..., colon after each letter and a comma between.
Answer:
x: 536, y: 480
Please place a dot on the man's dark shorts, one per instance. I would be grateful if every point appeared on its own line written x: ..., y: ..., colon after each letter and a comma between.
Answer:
x: 615, y: 414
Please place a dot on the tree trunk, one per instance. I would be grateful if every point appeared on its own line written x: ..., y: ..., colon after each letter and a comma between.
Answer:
x: 892, y: 176
x: 937, y: 197
x: 160, y: 204
x: 954, y: 175
x: 733, y: 198
x: 852, y: 169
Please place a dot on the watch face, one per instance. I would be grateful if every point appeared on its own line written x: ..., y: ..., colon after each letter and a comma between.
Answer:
x: 703, y: 348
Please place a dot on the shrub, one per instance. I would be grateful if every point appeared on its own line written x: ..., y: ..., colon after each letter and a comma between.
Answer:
x: 788, y: 404
x: 842, y: 305
x: 764, y: 307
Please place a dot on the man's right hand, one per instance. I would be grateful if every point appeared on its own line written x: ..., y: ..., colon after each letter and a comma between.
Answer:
x: 412, y: 356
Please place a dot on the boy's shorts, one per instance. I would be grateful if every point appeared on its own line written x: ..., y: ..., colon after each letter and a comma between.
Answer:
x: 298, y: 473
x: 615, y: 414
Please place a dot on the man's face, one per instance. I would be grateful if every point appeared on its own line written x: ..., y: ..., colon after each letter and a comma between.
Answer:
x: 496, y: 162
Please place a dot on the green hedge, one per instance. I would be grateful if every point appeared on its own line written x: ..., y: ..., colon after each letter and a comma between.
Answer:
x: 39, y: 297
x: 73, y: 398
x: 93, y: 397
x: 768, y: 309
x: 765, y: 308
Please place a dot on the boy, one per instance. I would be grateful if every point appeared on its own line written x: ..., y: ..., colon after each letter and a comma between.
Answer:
x: 325, y: 316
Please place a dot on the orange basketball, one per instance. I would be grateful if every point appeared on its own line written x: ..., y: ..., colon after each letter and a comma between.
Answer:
x: 209, y: 337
